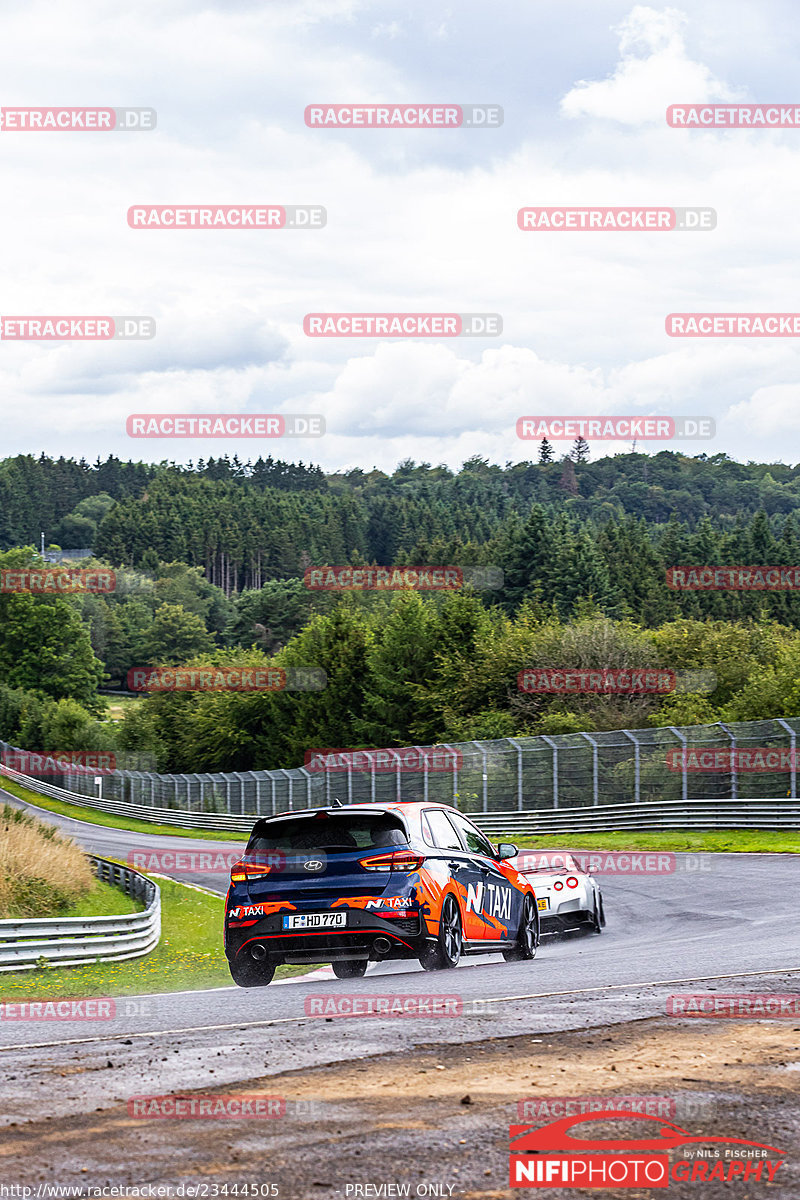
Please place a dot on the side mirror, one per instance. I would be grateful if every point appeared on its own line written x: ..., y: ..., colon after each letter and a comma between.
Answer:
x: 507, y: 850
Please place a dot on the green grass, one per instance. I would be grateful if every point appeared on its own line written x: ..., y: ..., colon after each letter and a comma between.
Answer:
x: 104, y: 900
x: 188, y: 957
x: 756, y: 841
x: 119, y: 705
x: 95, y: 817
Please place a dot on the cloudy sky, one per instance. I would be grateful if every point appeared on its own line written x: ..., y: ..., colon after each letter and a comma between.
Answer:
x: 418, y: 220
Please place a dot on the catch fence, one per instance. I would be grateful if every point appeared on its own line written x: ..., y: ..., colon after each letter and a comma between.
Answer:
x: 718, y: 771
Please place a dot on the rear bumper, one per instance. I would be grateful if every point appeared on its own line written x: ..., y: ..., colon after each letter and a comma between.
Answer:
x: 407, y: 937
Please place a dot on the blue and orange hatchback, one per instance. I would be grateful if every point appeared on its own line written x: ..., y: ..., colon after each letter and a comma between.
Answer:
x: 361, y: 883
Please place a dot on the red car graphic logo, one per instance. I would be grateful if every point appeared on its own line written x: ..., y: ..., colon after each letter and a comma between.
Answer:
x: 528, y: 1139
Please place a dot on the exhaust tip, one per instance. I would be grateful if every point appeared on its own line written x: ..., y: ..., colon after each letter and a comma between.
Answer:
x: 381, y: 945
x: 258, y: 952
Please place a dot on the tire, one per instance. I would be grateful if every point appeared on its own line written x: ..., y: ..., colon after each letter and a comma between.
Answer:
x: 447, y: 951
x: 524, y: 949
x: 248, y: 973
x: 350, y: 968
x: 599, y: 915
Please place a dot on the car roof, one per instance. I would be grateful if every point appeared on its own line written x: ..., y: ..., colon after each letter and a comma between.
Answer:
x: 402, y: 807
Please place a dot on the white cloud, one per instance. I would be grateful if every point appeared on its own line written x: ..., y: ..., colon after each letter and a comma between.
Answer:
x: 654, y: 71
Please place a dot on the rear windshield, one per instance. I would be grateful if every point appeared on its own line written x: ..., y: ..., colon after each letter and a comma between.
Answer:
x: 330, y: 832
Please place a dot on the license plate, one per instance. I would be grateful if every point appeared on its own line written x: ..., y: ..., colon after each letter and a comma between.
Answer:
x: 543, y: 902
x: 324, y: 920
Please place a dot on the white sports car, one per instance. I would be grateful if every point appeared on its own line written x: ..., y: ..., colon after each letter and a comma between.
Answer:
x: 567, y: 896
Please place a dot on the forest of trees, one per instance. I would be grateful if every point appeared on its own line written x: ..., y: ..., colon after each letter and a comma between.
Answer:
x: 210, y: 557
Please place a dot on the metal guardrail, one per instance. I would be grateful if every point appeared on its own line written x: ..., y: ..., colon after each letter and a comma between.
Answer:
x: 73, y: 941
x: 573, y: 775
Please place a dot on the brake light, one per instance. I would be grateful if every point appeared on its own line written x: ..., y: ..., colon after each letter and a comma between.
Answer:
x: 572, y: 882
x: 398, y: 860
x: 558, y: 885
x: 242, y: 872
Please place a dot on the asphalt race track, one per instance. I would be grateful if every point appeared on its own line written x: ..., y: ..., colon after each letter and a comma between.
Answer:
x: 724, y: 922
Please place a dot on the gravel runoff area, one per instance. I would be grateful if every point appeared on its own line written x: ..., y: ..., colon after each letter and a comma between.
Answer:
x: 432, y: 1118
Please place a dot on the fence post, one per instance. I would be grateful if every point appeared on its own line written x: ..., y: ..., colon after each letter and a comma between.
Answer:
x: 684, y: 770
x: 307, y: 773
x: 549, y: 741
x: 518, y: 749
x: 734, y: 772
x: 593, y: 744
x: 485, y: 775
x: 793, y: 745
x: 447, y: 746
x: 398, y: 786
x: 636, y: 765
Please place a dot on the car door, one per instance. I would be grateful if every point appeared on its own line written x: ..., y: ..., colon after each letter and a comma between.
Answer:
x: 500, y: 903
x: 462, y: 867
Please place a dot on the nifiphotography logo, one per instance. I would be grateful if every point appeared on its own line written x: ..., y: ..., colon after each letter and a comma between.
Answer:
x: 554, y: 1155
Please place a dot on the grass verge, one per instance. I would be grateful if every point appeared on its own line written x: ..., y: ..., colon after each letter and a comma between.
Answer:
x: 188, y: 957
x: 104, y: 900
x: 754, y: 841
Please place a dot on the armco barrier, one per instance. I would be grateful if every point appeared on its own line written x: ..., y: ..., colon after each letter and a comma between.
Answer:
x: 566, y: 780
x: 71, y: 941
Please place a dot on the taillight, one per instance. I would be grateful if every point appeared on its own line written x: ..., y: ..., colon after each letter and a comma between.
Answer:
x: 242, y: 872
x: 572, y: 882
x: 558, y: 885
x: 398, y: 860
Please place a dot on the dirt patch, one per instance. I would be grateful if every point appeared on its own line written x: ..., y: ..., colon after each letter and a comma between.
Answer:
x: 437, y: 1117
